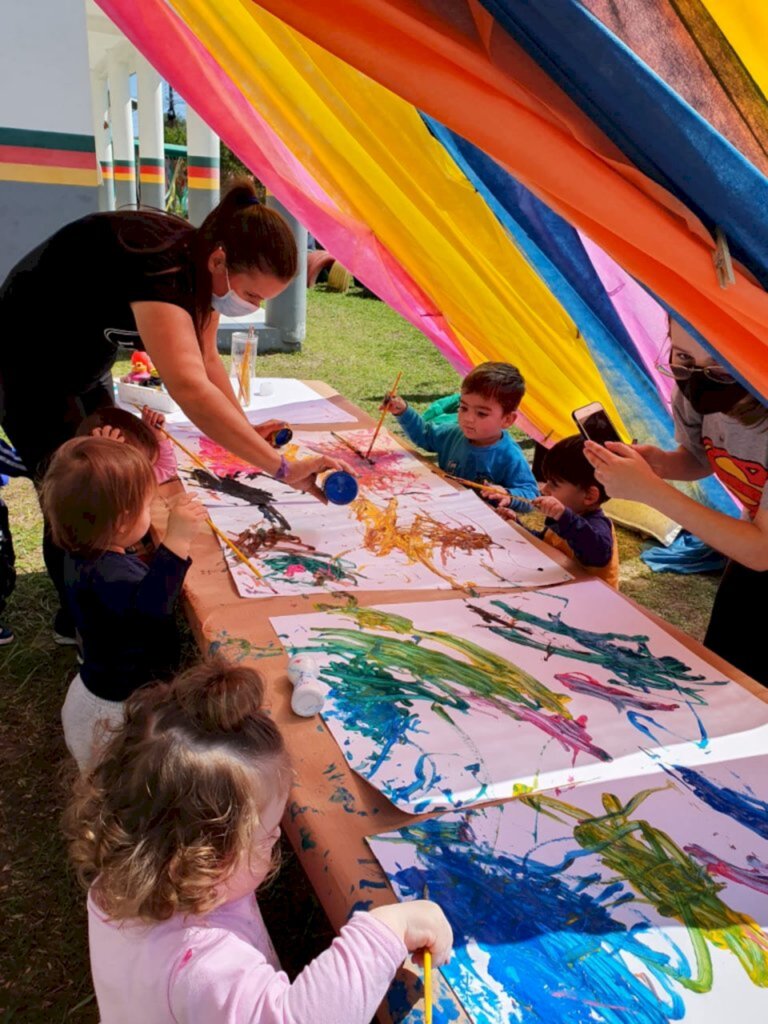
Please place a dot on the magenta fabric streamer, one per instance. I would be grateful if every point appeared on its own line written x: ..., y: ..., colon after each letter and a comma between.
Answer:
x: 163, y: 38
x: 645, y: 320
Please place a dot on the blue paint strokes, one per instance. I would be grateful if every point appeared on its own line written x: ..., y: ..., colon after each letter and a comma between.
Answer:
x: 334, y: 774
x: 627, y: 656
x: 549, y: 943
x: 295, y: 810
x: 307, y: 842
x: 741, y: 805
x: 398, y: 1001
x: 420, y: 780
x: 361, y: 905
x: 444, y: 1011
x: 703, y: 737
x: 612, y: 890
x: 368, y: 883
x: 638, y: 719
x: 342, y: 796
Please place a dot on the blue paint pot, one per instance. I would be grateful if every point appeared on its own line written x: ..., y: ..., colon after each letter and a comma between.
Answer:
x: 339, y: 487
x: 280, y: 437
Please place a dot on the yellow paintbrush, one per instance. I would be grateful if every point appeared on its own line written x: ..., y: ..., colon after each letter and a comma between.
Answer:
x: 384, y: 411
x: 239, y: 554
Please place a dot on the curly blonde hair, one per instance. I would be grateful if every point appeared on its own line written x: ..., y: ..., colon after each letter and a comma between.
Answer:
x: 169, y: 810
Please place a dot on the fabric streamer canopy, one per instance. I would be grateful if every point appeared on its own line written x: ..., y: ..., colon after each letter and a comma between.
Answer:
x: 522, y: 181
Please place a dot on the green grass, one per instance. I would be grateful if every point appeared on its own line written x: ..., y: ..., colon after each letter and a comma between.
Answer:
x: 357, y: 345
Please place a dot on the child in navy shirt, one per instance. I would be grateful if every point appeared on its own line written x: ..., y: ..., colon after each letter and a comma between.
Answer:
x: 478, y: 448
x: 575, y: 523
x: 97, y: 495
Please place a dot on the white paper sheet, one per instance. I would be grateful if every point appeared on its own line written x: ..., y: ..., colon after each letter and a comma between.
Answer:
x: 634, y: 902
x: 447, y: 703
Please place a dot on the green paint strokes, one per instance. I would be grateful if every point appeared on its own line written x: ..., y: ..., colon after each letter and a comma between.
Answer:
x: 237, y: 648
x: 626, y: 656
x: 377, y: 680
x: 307, y: 842
x: 484, y: 673
x: 671, y: 880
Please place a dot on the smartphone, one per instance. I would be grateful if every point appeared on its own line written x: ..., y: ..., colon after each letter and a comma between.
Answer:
x: 595, y: 424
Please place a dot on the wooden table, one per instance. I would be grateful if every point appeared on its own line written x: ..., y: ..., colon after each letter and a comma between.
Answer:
x: 331, y: 810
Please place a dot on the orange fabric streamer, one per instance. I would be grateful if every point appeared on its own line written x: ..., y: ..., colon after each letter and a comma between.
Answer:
x: 459, y: 66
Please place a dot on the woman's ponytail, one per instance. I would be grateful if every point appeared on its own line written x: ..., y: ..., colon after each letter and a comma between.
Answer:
x: 253, y: 237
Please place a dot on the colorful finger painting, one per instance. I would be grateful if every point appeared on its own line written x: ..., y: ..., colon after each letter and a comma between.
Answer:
x: 384, y: 545
x: 603, y: 904
x: 447, y: 703
x: 216, y: 458
x: 392, y: 470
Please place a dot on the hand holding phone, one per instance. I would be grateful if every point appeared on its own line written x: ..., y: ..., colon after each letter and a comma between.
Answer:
x: 595, y: 424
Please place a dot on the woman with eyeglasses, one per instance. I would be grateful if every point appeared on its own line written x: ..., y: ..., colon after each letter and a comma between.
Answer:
x: 722, y: 429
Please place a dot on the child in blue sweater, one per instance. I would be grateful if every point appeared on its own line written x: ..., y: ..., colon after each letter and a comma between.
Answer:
x: 478, y: 448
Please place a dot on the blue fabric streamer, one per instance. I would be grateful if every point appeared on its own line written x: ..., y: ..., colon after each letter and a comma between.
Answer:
x: 554, y: 249
x: 653, y: 126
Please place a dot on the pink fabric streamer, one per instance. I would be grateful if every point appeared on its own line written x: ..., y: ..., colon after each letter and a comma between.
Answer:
x: 645, y: 320
x: 163, y: 38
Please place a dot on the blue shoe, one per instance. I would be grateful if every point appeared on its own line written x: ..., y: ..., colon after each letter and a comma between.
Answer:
x: 6, y: 635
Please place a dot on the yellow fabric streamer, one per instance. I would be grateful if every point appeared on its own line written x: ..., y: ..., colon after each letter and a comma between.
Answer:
x: 744, y: 23
x: 375, y: 157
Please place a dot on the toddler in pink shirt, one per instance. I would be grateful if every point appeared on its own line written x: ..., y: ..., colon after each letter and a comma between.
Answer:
x: 172, y: 831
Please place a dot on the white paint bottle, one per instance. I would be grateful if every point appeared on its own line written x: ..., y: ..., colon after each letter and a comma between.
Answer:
x: 308, y: 694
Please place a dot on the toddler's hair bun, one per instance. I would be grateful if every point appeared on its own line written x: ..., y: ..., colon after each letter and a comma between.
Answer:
x: 219, y: 696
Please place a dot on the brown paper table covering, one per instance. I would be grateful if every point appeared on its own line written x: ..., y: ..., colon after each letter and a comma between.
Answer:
x: 330, y: 809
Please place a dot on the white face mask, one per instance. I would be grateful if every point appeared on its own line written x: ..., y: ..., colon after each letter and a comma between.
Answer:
x: 230, y: 304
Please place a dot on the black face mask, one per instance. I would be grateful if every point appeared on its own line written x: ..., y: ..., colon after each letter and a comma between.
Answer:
x: 708, y: 396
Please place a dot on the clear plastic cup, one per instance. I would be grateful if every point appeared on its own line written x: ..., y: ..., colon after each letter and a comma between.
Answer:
x: 243, y: 365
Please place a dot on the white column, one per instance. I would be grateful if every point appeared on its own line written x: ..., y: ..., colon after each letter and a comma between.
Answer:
x: 121, y: 119
x: 48, y: 172
x: 99, y: 103
x: 151, y: 146
x: 288, y: 311
x: 203, y: 167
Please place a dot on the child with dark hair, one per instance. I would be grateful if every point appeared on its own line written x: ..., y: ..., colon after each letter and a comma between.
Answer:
x: 571, y: 499
x: 96, y: 496
x: 173, y: 830
x: 144, y: 434
x: 478, y: 448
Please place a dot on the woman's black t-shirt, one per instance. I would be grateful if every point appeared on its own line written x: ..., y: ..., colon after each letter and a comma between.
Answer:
x: 66, y: 306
